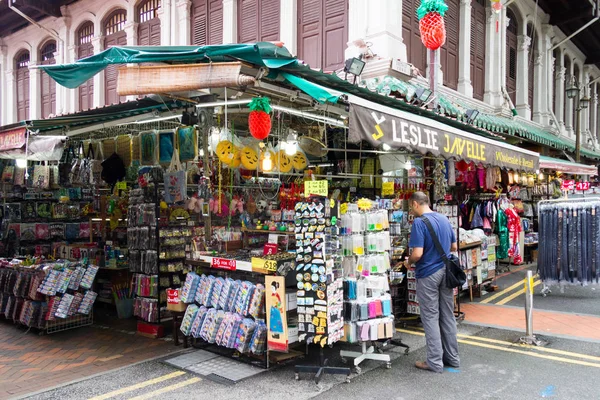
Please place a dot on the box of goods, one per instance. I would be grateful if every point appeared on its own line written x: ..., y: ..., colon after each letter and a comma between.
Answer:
x: 147, y: 329
x: 174, y: 302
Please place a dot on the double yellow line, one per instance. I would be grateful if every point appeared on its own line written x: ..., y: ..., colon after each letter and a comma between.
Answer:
x: 147, y: 383
x: 507, y: 291
x: 531, y: 351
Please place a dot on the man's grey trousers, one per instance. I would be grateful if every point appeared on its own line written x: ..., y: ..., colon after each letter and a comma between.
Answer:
x: 437, y: 315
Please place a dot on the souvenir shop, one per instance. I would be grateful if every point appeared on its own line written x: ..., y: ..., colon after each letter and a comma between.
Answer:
x: 259, y: 213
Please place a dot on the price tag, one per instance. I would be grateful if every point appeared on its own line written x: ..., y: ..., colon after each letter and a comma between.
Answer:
x: 270, y: 248
x: 223, y: 263
x: 263, y: 265
x: 318, y: 188
x: 583, y: 186
x: 122, y: 185
x: 448, y: 197
x: 387, y: 189
x: 173, y: 296
x: 344, y: 208
x: 568, y: 184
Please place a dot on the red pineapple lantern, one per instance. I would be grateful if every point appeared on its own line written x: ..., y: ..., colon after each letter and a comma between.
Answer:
x: 259, y: 120
x: 431, y: 23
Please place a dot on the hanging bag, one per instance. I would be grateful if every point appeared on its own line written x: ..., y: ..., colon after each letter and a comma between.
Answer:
x: 96, y: 168
x: 64, y: 168
x: 455, y: 276
x: 74, y: 176
x: 175, y: 180
x: 41, y: 176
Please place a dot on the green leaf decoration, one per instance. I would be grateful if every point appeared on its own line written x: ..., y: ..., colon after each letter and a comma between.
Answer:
x: 260, y: 104
x: 431, y: 6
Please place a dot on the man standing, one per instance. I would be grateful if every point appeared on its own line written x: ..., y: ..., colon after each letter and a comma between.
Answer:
x: 435, y: 299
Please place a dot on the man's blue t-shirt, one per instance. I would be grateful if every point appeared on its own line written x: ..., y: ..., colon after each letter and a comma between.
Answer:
x: 431, y: 262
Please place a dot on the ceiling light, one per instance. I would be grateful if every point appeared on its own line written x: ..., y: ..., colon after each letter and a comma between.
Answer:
x: 267, y: 163
x: 386, y: 147
x: 150, y: 120
x: 21, y: 163
x: 291, y: 147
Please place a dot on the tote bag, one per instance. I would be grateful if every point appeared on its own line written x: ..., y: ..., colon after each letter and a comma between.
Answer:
x: 96, y: 167
x: 175, y: 180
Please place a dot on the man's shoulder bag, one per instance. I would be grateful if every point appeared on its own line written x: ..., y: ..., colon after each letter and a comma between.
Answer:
x: 455, y: 275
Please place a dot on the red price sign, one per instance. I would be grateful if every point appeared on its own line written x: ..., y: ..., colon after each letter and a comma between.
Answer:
x: 583, y: 186
x: 448, y: 197
x: 270, y: 248
x: 173, y: 296
x: 223, y: 263
x: 568, y: 184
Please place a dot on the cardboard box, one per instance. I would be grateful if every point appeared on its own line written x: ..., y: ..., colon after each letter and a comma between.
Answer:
x: 152, y: 331
x: 173, y: 301
x: 292, y: 334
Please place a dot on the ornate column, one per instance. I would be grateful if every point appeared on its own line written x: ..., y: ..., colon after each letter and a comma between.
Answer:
x: 541, y: 91
x: 11, y: 95
x: 99, y: 81
x: 585, y: 113
x: 465, y: 86
x: 73, y: 104
x: 559, y: 101
x: 184, y: 18
x: 166, y: 26
x: 288, y: 24
x: 594, y: 111
x: 35, y: 84
x: 495, y: 64
x: 230, y: 33
x: 522, y: 106
x: 569, y: 104
x: 4, y: 104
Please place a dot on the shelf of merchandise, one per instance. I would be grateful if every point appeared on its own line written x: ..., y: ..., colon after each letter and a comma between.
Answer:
x: 245, y: 230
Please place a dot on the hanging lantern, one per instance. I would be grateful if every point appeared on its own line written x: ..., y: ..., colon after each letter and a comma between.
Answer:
x: 496, y: 6
x: 431, y: 23
x: 259, y: 120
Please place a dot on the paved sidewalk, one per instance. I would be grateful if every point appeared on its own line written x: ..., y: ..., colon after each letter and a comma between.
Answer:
x: 551, y: 323
x: 29, y: 362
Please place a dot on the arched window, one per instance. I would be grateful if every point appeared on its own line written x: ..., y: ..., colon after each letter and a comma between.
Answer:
x: 449, y: 51
x: 48, y: 85
x: 511, y: 55
x: 207, y: 22
x: 114, y: 31
x: 478, y: 38
x: 149, y: 23
x: 85, y: 48
x: 22, y: 78
x: 417, y: 53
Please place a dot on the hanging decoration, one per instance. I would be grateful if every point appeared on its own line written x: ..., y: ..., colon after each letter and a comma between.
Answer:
x: 496, y: 6
x: 259, y: 120
x: 431, y: 23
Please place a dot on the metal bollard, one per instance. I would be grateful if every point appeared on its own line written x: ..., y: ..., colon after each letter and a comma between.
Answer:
x: 529, y: 336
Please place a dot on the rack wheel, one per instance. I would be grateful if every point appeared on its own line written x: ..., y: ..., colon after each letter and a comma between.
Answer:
x: 388, y: 365
x: 380, y: 350
x: 358, y: 370
x: 297, y: 377
x: 406, y: 352
x: 348, y: 379
x: 344, y: 360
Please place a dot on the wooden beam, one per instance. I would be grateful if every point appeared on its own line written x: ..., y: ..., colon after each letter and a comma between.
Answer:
x: 561, y: 18
x: 47, y: 7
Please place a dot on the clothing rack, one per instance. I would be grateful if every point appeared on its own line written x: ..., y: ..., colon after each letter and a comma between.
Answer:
x: 569, y: 247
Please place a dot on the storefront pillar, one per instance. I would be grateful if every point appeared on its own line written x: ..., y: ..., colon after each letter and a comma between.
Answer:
x: 569, y: 106
x: 494, y: 58
x: 465, y: 86
x: 288, y: 24
x: 98, y: 78
x: 230, y: 11
x: 35, y: 98
x: 4, y: 109
x: 594, y: 111
x: 183, y: 23
x: 559, y: 82
x: 11, y: 97
x: 380, y: 23
x: 523, y: 107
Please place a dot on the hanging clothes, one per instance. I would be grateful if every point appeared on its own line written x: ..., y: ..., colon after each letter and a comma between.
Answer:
x: 515, y: 229
x: 502, y: 231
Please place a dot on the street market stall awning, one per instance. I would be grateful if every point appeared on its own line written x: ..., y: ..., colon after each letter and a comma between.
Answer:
x: 260, y: 54
x: 18, y: 143
x: 379, y: 125
x: 567, y: 167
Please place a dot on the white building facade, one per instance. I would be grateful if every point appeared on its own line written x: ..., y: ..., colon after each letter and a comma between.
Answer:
x: 494, y: 61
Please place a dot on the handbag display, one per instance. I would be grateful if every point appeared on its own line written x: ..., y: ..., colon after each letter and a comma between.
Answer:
x: 175, y: 180
x: 95, y: 165
x: 41, y: 176
x: 455, y: 275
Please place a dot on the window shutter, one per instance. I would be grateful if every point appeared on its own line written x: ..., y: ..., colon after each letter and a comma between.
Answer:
x: 111, y: 71
x: 417, y: 53
x: 511, y: 56
x: 248, y: 17
x: 86, y: 49
x: 269, y: 20
x: 449, y: 53
x: 199, y: 12
x: 335, y: 35
x: 478, y: 38
x: 310, y: 36
x: 215, y: 22
x: 22, y: 94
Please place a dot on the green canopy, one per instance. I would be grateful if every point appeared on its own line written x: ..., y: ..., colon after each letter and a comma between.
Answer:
x: 317, y: 92
x: 260, y: 54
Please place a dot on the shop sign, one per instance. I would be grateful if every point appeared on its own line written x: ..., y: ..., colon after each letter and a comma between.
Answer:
x: 223, y: 263
x: 173, y: 296
x: 317, y: 188
x: 380, y: 128
x: 387, y: 189
x: 14, y: 139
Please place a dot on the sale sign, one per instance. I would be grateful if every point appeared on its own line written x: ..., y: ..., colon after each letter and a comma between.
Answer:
x: 223, y: 263
x: 583, y: 186
x: 567, y: 184
x: 173, y: 296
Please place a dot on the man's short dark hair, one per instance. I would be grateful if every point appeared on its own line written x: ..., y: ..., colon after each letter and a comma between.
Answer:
x: 421, y: 198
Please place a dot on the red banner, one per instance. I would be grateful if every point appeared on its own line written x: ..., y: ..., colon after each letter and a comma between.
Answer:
x: 583, y: 186
x: 223, y: 263
x: 14, y: 139
x: 568, y: 184
x: 173, y: 296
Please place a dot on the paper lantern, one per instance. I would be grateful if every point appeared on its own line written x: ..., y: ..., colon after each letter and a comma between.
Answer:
x: 431, y: 23
x: 259, y: 120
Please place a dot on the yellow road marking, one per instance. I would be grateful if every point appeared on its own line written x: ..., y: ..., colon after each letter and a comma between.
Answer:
x: 166, y: 389
x: 515, y: 295
x: 502, y: 293
x: 527, y: 346
x: 138, y: 386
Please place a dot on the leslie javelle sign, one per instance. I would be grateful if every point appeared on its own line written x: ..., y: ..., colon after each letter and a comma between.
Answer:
x: 378, y: 128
